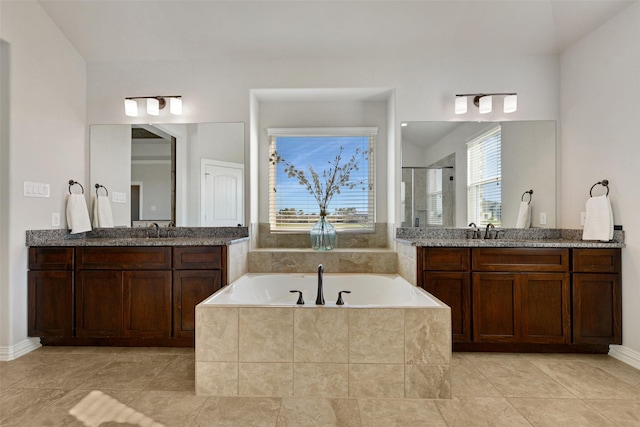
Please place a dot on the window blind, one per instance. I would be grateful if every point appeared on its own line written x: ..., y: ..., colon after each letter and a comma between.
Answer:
x: 484, y: 178
x: 292, y: 207
x: 434, y: 196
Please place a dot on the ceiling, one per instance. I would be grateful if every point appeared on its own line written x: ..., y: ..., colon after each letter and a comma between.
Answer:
x: 178, y: 30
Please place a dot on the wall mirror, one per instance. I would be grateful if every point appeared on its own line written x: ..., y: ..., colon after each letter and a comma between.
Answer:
x: 447, y: 179
x: 189, y: 174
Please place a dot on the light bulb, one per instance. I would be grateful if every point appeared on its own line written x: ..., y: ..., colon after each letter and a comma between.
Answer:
x: 153, y: 106
x: 485, y: 104
x: 175, y: 106
x: 130, y: 107
x: 461, y: 104
x: 510, y: 103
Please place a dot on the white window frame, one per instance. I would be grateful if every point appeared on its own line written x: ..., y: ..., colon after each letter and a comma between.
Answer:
x: 475, y: 212
x: 341, y: 227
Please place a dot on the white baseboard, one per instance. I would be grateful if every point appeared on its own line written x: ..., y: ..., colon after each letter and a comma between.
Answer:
x: 626, y: 355
x: 20, y: 349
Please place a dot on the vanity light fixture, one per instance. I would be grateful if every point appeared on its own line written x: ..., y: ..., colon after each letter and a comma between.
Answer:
x: 154, y: 105
x: 484, y: 102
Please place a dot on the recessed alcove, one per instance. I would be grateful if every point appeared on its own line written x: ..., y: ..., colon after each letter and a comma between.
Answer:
x: 322, y: 107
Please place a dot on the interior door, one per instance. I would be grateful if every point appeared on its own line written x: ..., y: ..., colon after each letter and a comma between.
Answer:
x: 222, y: 186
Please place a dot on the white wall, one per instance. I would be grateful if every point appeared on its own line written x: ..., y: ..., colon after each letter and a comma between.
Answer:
x: 156, y: 189
x: 46, y: 143
x: 111, y: 151
x: 424, y: 89
x: 600, y: 112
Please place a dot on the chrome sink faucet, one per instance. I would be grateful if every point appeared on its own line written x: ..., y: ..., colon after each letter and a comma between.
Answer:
x: 320, y: 296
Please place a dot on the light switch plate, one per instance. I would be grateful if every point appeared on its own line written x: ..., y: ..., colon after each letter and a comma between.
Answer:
x: 543, y: 218
x: 36, y: 189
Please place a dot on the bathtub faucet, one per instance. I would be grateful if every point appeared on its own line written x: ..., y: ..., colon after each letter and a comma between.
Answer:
x: 320, y: 297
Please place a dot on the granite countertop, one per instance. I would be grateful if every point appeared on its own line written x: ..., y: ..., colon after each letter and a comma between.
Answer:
x: 509, y: 238
x: 144, y: 241
x: 510, y: 243
x: 212, y: 236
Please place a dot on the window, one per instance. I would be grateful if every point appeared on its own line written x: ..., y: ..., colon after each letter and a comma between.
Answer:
x: 292, y: 207
x: 484, y: 178
x: 434, y: 196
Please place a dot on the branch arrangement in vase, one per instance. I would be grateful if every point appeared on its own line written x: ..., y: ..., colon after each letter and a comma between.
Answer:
x: 329, y: 183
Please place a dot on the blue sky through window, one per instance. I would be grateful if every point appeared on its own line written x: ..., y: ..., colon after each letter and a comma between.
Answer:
x: 319, y: 152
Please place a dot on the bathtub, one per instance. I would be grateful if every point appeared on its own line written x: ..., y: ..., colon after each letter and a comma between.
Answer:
x: 390, y: 339
x: 367, y: 290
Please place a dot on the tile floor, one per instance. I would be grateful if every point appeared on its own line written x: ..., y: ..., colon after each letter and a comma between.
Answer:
x: 40, y: 389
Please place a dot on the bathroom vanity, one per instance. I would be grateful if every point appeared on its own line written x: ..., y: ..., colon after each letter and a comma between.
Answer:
x: 135, y: 292
x: 554, y: 298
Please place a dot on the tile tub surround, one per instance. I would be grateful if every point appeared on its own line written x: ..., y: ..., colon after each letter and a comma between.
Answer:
x: 325, y: 352
x: 265, y: 238
x: 376, y: 261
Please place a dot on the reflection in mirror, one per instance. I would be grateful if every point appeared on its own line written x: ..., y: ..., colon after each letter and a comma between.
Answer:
x: 189, y: 174
x: 454, y: 173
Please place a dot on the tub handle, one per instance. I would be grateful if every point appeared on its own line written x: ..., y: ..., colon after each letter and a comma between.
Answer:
x: 300, y: 300
x: 340, y: 301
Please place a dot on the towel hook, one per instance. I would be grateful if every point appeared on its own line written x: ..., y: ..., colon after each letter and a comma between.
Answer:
x: 98, y: 186
x: 530, y: 193
x: 604, y: 183
x: 72, y: 183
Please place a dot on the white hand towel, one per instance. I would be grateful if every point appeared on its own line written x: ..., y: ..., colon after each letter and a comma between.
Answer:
x: 598, y: 224
x: 77, y: 214
x: 524, y: 216
x: 102, y: 214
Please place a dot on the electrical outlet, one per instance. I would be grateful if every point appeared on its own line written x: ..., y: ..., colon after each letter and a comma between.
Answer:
x: 543, y: 218
x: 583, y: 218
x: 55, y: 219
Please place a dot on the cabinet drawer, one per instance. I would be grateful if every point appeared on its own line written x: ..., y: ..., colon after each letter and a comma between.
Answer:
x: 123, y: 258
x: 197, y: 258
x: 51, y: 258
x: 445, y: 259
x: 520, y: 259
x: 596, y: 260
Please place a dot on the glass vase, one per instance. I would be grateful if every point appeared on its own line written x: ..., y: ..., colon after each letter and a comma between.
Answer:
x: 323, y: 235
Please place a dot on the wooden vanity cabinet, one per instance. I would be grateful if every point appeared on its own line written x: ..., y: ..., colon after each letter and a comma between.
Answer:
x: 123, y: 292
x: 597, y: 296
x: 521, y: 295
x: 444, y: 273
x: 50, y: 292
x: 121, y: 295
x: 197, y: 274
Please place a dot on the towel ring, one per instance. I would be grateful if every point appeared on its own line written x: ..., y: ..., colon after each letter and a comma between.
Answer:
x: 98, y: 186
x: 604, y: 183
x: 530, y: 193
x: 72, y: 183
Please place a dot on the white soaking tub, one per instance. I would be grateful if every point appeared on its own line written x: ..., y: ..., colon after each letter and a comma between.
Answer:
x: 390, y: 339
x: 367, y: 290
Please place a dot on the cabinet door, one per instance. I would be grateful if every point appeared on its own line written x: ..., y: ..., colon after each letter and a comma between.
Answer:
x: 191, y: 287
x: 496, y: 314
x: 147, y: 304
x: 597, y: 309
x: 454, y: 289
x: 50, y: 303
x: 546, y: 308
x: 99, y: 303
